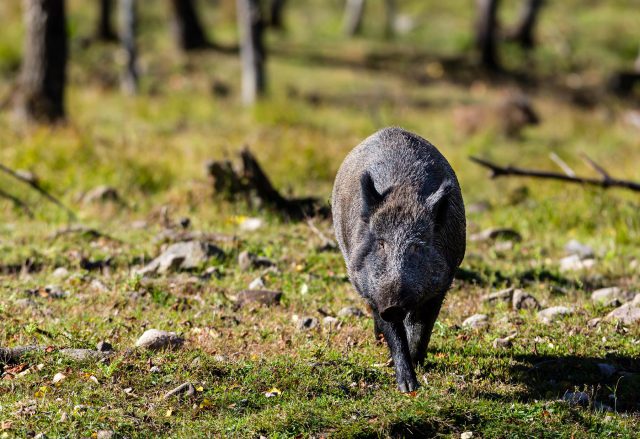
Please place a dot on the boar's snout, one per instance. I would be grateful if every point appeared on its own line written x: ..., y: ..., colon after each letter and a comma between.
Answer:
x: 393, y: 313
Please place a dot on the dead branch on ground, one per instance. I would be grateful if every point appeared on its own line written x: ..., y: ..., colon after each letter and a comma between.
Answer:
x: 17, y: 202
x: 606, y: 180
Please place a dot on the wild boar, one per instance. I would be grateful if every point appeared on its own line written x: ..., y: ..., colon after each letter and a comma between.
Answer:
x: 399, y: 220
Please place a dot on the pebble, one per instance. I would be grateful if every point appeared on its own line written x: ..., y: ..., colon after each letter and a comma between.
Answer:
x: 83, y: 354
x: 251, y: 224
x: 605, y: 296
x: 627, y: 314
x: 257, y: 284
x: 104, y: 434
x: 554, y: 313
x: 264, y: 297
x: 330, y: 322
x: 247, y: 261
x: 350, y: 311
x: 155, y: 369
x: 575, y: 247
x: 101, y: 194
x: 306, y: 322
x: 154, y: 339
x: 187, y: 255
x: 58, y: 378
x: 502, y: 295
x: 104, y: 346
x: 576, y: 263
x: 523, y: 300
x: 476, y: 321
x: 60, y: 273
x: 466, y: 435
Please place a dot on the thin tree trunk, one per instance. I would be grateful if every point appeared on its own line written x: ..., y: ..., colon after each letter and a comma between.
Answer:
x: 129, y: 14
x: 353, y: 16
x: 486, y: 33
x: 104, y: 28
x: 252, y: 51
x: 43, y: 72
x: 523, y: 34
x: 187, y: 28
x: 636, y: 65
x: 276, y: 20
x: 390, y: 17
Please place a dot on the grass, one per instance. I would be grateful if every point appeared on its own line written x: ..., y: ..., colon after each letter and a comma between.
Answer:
x: 331, y: 383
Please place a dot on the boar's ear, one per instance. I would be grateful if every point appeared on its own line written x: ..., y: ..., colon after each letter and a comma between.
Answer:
x: 371, y: 198
x: 439, y: 203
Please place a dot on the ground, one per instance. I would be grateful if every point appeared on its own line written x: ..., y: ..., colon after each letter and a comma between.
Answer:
x: 254, y: 372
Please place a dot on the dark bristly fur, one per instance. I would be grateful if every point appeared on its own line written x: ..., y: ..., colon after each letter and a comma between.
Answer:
x: 399, y: 220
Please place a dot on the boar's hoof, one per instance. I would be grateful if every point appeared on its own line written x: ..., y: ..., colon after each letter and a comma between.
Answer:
x: 408, y: 385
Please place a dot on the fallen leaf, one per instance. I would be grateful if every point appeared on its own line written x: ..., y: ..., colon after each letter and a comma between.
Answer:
x: 6, y: 425
x: 199, y: 389
x: 168, y: 413
x: 272, y: 392
x: 206, y: 404
x: 16, y: 369
x: 42, y: 391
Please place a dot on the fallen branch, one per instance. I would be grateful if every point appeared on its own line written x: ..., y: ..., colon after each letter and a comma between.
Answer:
x: 17, y: 202
x: 88, y: 232
x: 35, y: 185
x: 605, y: 182
x: 327, y: 243
x: 251, y: 182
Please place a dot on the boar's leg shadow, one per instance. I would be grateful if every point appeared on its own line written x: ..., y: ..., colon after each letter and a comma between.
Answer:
x: 396, y: 337
x: 419, y: 325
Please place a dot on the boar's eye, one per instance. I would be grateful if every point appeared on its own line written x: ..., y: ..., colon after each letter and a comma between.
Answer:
x: 415, y: 249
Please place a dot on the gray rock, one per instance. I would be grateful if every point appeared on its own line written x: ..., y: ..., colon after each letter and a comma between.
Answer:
x: 505, y: 342
x: 594, y: 322
x: 101, y: 194
x: 60, y: 273
x: 104, y: 346
x: 154, y: 339
x: 105, y: 434
x: 550, y: 315
x: 182, y: 256
x: 155, y: 369
x: 576, y: 263
x: 577, y: 398
x: 499, y: 296
x: 636, y: 300
x: 248, y: 261
x: 575, y: 247
x: 330, y: 322
x: 476, y: 321
x: 523, y: 300
x: 605, y: 296
x: 306, y: 323
x: 350, y: 311
x: 626, y: 314
x: 183, y: 390
x: 496, y: 233
x: 264, y: 297
x: 257, y: 284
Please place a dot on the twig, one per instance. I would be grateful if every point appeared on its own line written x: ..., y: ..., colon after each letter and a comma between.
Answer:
x: 34, y: 184
x: 18, y: 202
x: 596, y: 167
x: 562, y: 164
x: 606, y: 182
x: 326, y: 241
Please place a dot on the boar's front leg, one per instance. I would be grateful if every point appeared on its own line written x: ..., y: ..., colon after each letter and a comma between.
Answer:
x: 419, y: 325
x: 396, y: 337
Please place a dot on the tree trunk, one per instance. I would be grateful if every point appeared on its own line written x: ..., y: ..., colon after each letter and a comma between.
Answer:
x: 129, y: 15
x: 486, y: 33
x: 187, y: 29
x: 277, y: 11
x: 43, y: 72
x: 636, y: 65
x: 390, y: 17
x: 104, y: 28
x: 252, y: 51
x: 353, y: 15
x: 524, y: 30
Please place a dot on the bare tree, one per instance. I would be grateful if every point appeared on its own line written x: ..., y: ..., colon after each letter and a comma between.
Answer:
x: 104, y: 25
x: 129, y: 15
x: 276, y: 20
x: 486, y: 33
x: 353, y: 15
x: 252, y: 51
x: 523, y: 33
x: 43, y: 72
x: 186, y: 25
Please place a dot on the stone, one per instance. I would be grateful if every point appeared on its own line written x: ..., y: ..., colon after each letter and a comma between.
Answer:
x: 101, y: 194
x: 104, y: 346
x: 154, y: 339
x: 155, y: 369
x: 350, y: 311
x: 495, y: 234
x: 58, y: 378
x: 523, y: 300
x: 594, y: 322
x: 183, y: 390
x: 575, y: 247
x: 257, y: 284
x: 627, y: 314
x: 306, y: 323
x: 466, y: 435
x: 251, y: 224
x: 502, y: 295
x: 505, y: 342
x: 605, y: 296
x: 577, y: 398
x: 476, y: 321
x: 83, y: 354
x: 248, y: 261
x: 330, y: 322
x: 636, y: 300
x: 104, y: 434
x: 60, y: 273
x: 576, y: 263
x: 98, y: 286
x: 186, y: 255
x: 550, y: 315
x: 264, y: 297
